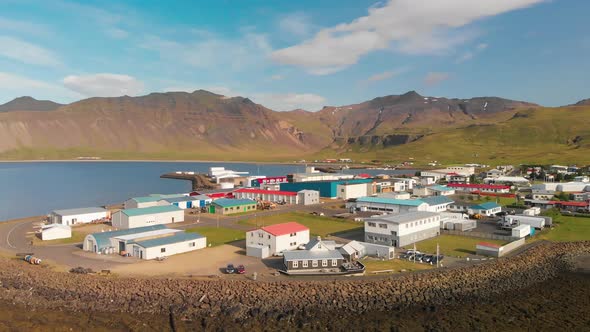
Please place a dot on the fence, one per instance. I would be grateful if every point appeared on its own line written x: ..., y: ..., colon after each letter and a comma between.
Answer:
x: 480, y: 235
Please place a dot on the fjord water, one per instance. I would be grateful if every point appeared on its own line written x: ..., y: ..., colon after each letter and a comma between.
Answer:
x: 37, y: 188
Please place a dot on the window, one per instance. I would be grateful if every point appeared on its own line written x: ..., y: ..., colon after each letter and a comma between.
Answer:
x: 191, y: 244
x: 295, y: 264
x: 334, y: 262
x: 163, y: 250
x: 260, y: 235
x: 304, y: 263
x: 269, y: 237
x: 406, y: 225
x: 314, y: 263
x: 372, y: 224
x: 382, y: 225
x: 293, y: 234
x: 324, y: 262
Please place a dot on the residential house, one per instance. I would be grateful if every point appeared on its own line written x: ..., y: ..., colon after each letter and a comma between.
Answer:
x: 319, y: 257
x: 402, y: 229
x: 269, y: 240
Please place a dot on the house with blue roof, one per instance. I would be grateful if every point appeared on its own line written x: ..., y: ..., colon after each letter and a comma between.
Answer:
x: 433, y: 190
x: 153, y: 215
x: 486, y: 209
x: 147, y: 242
x: 186, y: 202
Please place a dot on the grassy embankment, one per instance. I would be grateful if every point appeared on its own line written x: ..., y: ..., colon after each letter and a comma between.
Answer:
x: 372, y: 265
x: 318, y: 225
x: 218, y: 236
x: 567, y: 229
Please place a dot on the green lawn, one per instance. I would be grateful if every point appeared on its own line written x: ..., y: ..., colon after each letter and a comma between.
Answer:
x: 452, y: 245
x: 568, y: 229
x: 77, y: 237
x: 321, y: 226
x: 218, y: 236
x: 396, y: 265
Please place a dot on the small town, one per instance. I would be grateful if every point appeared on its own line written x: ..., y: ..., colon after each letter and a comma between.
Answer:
x: 315, y: 223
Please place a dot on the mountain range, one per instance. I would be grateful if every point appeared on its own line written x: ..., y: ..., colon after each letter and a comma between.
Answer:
x: 204, y: 125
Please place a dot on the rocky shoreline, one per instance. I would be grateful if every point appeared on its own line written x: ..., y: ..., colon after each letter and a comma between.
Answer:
x: 295, y: 303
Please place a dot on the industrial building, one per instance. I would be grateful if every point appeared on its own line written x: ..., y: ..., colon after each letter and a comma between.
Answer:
x: 486, y: 209
x: 353, y: 190
x: 387, y: 205
x: 148, y: 242
x: 185, y: 202
x: 327, y: 189
x: 357, y: 250
x: 402, y: 229
x: 224, y: 206
x: 70, y: 217
x: 289, y: 197
x: 133, y: 218
x: 308, y: 197
x: 142, y: 202
x: 437, y: 203
x: 269, y: 240
x: 483, y: 188
x: 55, y: 231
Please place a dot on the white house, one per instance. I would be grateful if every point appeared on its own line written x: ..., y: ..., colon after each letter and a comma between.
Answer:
x: 77, y: 216
x: 402, y: 229
x: 486, y: 209
x: 55, y: 231
x: 132, y: 218
x: 183, y: 202
x: 142, y: 202
x: 352, y: 190
x: 144, y: 242
x: 484, y: 188
x: 289, y: 197
x: 437, y: 203
x: 269, y: 240
x: 408, y: 182
x: 308, y: 197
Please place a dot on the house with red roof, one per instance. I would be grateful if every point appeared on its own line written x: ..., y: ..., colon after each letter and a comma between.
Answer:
x: 271, y: 240
x: 277, y: 196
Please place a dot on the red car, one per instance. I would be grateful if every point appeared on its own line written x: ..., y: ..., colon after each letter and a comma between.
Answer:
x: 241, y: 269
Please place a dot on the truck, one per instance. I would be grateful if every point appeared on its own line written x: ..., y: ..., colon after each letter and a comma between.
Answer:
x: 536, y: 222
x: 534, y: 211
x: 521, y: 231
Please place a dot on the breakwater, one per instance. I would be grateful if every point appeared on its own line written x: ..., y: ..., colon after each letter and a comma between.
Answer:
x: 298, y: 303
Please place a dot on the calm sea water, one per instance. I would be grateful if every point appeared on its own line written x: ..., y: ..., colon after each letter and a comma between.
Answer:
x: 30, y: 189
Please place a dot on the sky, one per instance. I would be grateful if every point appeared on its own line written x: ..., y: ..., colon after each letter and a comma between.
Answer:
x: 297, y: 54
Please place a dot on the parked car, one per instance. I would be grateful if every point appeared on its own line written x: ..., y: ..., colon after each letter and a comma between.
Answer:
x: 278, y: 254
x: 436, y: 259
x: 427, y: 258
x: 302, y: 246
x: 418, y: 257
x: 230, y: 269
x: 241, y: 269
x: 412, y: 252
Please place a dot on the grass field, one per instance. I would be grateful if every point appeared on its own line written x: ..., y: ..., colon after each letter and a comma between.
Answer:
x: 396, y: 265
x: 218, y: 236
x: 452, y: 245
x: 568, y: 229
x: 321, y: 226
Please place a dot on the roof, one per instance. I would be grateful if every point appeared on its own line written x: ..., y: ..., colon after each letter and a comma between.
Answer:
x: 403, y: 218
x: 180, y: 199
x: 330, y: 245
x: 438, y: 187
x: 70, y: 212
x: 392, y: 201
x: 436, y: 200
x: 352, y: 247
x: 486, y: 206
x: 229, y: 202
x: 290, y: 255
x: 54, y: 226
x: 157, y: 232
x: 150, y: 210
x: 487, y: 244
x: 285, y: 228
x: 202, y: 197
x: 262, y: 192
x: 147, y: 199
x: 477, y: 186
x: 176, y: 238
x: 570, y: 203
x: 103, y: 238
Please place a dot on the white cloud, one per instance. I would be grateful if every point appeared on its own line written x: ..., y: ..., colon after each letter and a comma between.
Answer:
x: 409, y: 26
x: 290, y: 101
x: 246, y: 51
x: 470, y: 54
x: 13, y: 85
x: 28, y: 53
x: 117, y: 33
x: 104, y: 85
x: 8, y: 81
x: 23, y: 26
x: 296, y: 24
x: 434, y: 78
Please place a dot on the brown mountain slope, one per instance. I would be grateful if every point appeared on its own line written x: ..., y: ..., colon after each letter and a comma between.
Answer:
x: 27, y: 103
x: 199, y: 123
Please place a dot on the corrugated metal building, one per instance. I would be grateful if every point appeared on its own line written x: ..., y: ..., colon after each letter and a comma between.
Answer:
x: 328, y: 189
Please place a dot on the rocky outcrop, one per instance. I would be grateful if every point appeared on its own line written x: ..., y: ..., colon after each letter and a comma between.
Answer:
x: 293, y: 300
x: 382, y: 141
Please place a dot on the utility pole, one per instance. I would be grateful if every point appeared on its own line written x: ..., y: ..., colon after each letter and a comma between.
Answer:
x: 437, y: 254
x: 414, y: 252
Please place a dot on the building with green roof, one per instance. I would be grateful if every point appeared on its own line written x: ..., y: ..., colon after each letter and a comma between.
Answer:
x: 226, y: 206
x: 147, y: 216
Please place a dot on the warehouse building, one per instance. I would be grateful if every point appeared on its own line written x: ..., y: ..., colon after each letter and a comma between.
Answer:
x: 486, y: 209
x: 308, y: 197
x: 55, y: 231
x: 353, y: 190
x: 327, y: 189
x: 133, y: 218
x: 289, y: 197
x: 70, y: 217
x: 184, y: 202
x: 482, y: 188
x: 387, y: 205
x: 142, y: 202
x: 148, y: 242
x: 402, y: 229
x: 269, y: 240
x: 225, y: 206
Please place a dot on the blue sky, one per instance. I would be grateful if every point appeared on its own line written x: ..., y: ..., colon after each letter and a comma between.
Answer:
x: 297, y: 54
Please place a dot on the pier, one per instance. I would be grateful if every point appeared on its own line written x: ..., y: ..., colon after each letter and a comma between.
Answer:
x: 199, y: 181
